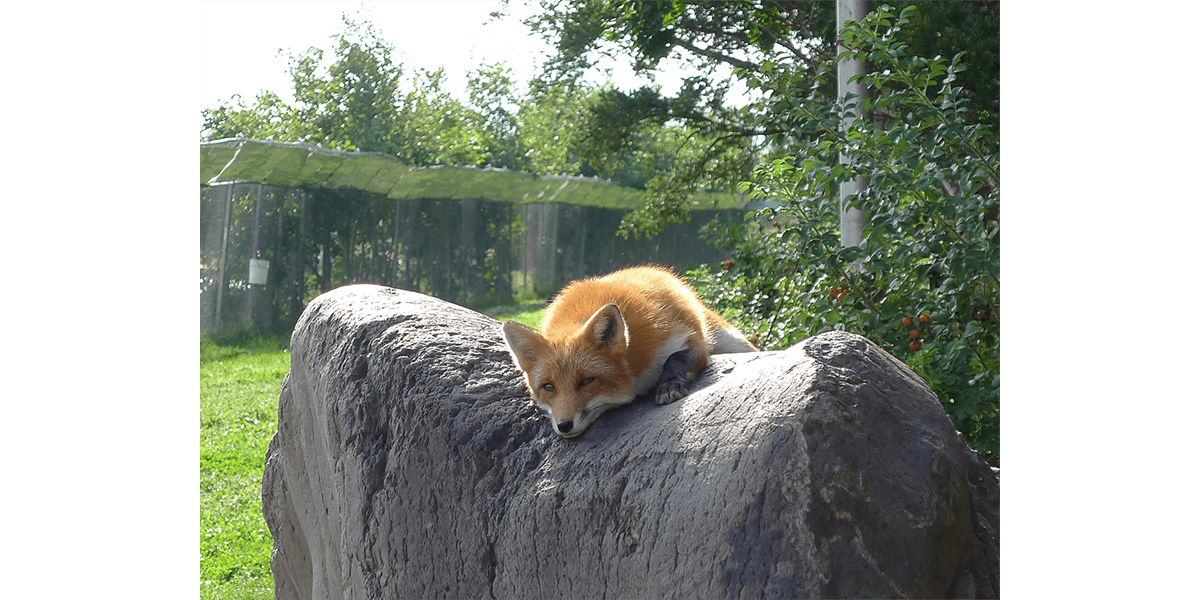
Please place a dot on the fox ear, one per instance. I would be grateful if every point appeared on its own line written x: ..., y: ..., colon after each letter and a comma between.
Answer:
x: 524, y: 342
x: 607, y: 327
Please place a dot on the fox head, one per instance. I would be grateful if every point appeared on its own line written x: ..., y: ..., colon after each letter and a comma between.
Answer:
x: 578, y: 374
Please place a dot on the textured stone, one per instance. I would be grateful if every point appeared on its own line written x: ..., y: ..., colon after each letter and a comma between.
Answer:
x: 410, y: 462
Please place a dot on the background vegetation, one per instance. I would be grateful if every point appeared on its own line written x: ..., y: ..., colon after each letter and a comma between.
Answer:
x: 925, y: 281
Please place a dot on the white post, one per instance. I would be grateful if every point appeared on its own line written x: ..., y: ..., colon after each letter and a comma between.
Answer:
x: 851, y: 218
x: 253, y: 255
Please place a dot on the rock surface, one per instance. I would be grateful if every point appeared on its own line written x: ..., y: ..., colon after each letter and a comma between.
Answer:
x: 411, y: 463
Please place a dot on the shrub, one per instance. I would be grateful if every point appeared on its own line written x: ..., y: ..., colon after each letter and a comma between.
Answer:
x: 924, y: 282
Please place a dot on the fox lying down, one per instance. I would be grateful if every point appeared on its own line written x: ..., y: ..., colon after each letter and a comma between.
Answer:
x: 605, y: 341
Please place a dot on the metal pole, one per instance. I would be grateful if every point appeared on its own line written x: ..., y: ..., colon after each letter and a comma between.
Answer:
x: 253, y: 254
x: 224, y: 248
x: 851, y: 218
x: 393, y: 271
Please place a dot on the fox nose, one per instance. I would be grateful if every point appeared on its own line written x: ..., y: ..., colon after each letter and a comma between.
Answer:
x: 565, y: 425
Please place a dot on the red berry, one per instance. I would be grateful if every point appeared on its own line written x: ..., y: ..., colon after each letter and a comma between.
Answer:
x: 914, y: 334
x: 906, y: 321
x: 914, y: 346
x: 923, y: 319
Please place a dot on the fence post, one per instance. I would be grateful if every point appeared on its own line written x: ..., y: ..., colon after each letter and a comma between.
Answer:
x: 221, y: 284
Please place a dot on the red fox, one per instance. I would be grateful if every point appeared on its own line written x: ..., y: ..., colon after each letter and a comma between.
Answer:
x: 608, y: 340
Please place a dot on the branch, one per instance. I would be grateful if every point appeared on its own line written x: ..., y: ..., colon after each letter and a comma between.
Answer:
x: 717, y: 56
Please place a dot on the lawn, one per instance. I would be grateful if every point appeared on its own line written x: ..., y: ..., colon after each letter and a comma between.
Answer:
x: 239, y: 397
x: 240, y: 377
x: 529, y: 314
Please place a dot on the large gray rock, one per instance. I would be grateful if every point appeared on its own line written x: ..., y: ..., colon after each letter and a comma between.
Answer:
x: 410, y: 463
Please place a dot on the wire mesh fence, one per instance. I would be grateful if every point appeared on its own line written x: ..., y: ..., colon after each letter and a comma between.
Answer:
x: 265, y: 251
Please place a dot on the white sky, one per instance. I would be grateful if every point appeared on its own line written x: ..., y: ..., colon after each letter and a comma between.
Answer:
x: 240, y: 42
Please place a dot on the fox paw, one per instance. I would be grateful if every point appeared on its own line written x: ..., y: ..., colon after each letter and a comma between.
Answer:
x: 670, y: 391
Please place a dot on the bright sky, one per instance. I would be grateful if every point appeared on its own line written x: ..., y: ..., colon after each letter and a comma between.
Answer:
x: 240, y: 42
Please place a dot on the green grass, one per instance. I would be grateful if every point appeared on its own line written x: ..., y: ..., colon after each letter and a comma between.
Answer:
x: 529, y: 314
x: 240, y: 377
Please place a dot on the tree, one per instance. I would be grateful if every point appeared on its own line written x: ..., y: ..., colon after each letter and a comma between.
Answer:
x: 433, y: 126
x: 745, y: 37
x: 485, y: 131
x: 351, y: 105
x: 973, y: 28
x: 268, y: 118
x: 551, y: 125
x: 757, y: 43
x: 348, y: 104
x: 492, y: 99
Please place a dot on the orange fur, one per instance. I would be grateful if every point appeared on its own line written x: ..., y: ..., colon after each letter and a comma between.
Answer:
x: 604, y: 341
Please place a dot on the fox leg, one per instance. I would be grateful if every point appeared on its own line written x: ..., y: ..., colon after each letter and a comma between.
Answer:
x: 673, y: 383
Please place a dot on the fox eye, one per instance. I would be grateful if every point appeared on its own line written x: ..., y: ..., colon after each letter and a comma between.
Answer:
x: 585, y: 381
x: 549, y: 387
